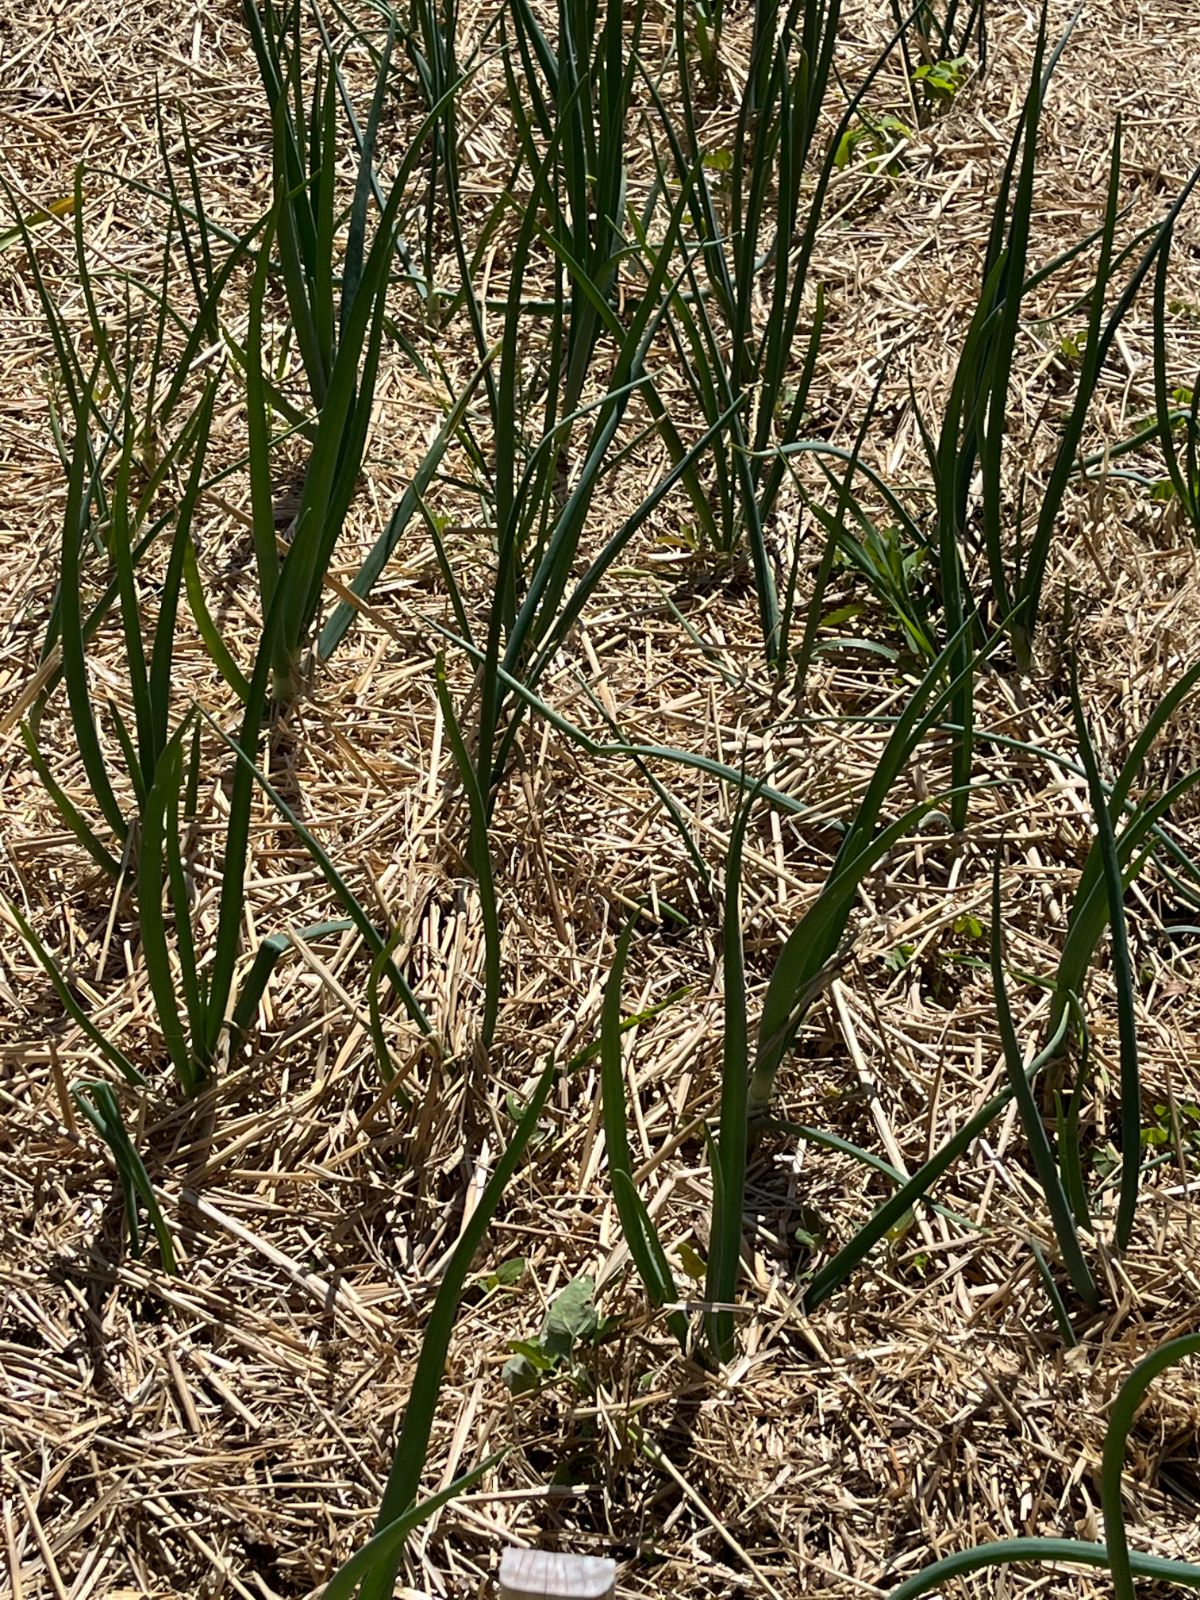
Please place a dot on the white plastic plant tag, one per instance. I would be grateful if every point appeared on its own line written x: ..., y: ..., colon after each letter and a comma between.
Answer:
x: 549, y: 1575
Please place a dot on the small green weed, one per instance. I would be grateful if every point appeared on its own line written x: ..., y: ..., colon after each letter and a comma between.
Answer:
x: 1160, y: 1131
x: 940, y: 81
x: 874, y: 141
x: 572, y: 1324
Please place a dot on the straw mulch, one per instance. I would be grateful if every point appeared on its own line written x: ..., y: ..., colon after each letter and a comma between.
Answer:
x: 226, y: 1431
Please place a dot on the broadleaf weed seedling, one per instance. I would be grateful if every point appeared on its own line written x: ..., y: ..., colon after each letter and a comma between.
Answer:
x: 936, y: 45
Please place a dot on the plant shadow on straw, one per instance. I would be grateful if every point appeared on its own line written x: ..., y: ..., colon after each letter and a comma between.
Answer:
x: 1114, y: 1555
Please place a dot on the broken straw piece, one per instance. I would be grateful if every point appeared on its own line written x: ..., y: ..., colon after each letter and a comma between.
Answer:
x: 549, y: 1575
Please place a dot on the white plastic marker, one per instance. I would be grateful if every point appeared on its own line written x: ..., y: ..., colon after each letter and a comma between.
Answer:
x: 548, y: 1575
